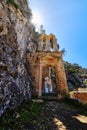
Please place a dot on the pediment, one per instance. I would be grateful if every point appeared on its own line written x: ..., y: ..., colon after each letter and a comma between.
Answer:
x: 49, y: 58
x: 50, y: 55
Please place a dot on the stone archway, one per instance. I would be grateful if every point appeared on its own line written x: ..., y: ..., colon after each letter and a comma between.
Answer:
x: 53, y: 61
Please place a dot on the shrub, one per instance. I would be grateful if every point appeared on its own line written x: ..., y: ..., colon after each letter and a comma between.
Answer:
x: 13, y: 3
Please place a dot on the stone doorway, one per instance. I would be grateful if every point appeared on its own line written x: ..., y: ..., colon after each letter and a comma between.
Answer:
x: 49, y: 86
x: 45, y: 65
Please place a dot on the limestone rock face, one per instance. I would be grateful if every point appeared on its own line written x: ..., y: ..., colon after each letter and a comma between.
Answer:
x: 15, y: 30
x: 76, y: 76
x: 74, y: 81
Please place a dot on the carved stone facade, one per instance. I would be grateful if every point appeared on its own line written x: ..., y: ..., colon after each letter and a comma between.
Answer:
x: 47, y: 68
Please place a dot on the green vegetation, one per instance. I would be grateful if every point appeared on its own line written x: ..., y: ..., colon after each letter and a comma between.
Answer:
x: 76, y: 75
x: 74, y: 68
x: 42, y: 30
x: 13, y: 3
x: 26, y: 114
x: 29, y: 113
x: 85, y: 82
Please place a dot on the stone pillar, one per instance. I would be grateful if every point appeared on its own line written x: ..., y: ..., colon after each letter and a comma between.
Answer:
x: 47, y: 44
x: 55, y: 45
x: 57, y: 82
x: 61, y: 79
x: 40, y: 45
x: 40, y: 81
x: 49, y: 71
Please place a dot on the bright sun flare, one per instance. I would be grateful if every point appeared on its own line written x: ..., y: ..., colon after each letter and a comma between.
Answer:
x: 36, y: 19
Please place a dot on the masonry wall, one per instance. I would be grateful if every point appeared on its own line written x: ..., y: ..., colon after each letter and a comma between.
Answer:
x: 34, y: 69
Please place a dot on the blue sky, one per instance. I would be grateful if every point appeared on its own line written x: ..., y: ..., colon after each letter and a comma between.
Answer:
x: 67, y: 20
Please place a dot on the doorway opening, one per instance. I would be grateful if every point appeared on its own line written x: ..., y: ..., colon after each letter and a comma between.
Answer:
x: 49, y: 86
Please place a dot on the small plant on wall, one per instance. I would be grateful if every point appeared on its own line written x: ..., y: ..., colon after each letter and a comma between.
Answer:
x: 13, y: 3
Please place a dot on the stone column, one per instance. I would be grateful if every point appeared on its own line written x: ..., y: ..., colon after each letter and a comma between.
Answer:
x: 61, y: 79
x: 57, y: 82
x: 55, y: 45
x: 40, y: 81
x: 49, y: 71
x: 47, y: 44
x: 40, y: 45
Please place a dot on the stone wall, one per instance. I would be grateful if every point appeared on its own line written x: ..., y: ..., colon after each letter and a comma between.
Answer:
x: 15, y: 33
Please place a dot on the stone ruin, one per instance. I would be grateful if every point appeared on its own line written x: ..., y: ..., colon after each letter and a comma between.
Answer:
x: 47, y: 68
x: 24, y: 64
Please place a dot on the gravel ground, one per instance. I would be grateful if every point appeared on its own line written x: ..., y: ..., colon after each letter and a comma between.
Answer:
x: 58, y: 116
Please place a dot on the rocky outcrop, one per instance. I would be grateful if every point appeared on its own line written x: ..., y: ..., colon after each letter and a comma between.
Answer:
x: 76, y: 76
x: 15, y: 33
x: 74, y: 81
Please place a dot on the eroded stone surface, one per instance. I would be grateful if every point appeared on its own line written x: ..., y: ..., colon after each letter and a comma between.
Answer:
x: 14, y: 34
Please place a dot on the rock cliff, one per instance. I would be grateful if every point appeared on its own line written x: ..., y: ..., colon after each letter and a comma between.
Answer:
x: 76, y: 76
x: 15, y: 35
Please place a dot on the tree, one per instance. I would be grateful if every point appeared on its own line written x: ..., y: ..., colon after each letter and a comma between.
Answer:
x: 63, y: 51
x: 42, y: 30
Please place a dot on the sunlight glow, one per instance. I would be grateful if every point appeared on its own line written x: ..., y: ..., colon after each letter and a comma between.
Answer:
x: 36, y: 19
x: 60, y: 124
x: 81, y: 118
